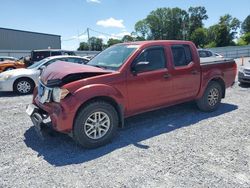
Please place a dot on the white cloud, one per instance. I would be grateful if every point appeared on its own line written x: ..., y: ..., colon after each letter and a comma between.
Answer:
x: 102, y: 37
x: 111, y: 22
x: 93, y: 1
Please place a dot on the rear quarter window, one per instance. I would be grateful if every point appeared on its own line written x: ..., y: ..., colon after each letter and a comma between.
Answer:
x: 37, y: 56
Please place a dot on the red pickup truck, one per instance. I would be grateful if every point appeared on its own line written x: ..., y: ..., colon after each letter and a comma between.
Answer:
x: 89, y: 102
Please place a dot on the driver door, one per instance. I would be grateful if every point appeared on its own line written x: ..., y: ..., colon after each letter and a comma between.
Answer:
x: 148, y: 82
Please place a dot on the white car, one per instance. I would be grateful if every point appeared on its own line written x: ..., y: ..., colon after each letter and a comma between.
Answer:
x: 208, y: 53
x: 23, y: 81
x: 244, y: 74
x: 7, y: 58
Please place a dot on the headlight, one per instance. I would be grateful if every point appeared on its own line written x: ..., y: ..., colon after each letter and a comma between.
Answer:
x: 59, y: 93
x: 4, y: 77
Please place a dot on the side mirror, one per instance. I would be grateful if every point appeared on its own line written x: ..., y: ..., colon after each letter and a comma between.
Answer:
x: 41, y: 69
x: 140, y: 67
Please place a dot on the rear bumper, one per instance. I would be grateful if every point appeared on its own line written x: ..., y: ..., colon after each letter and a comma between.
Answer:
x: 243, y: 77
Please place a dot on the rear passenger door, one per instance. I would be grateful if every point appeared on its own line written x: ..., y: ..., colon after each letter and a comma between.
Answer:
x: 185, y: 73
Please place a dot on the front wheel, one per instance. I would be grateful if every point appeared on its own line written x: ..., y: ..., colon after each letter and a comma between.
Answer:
x: 95, y: 125
x: 211, y: 98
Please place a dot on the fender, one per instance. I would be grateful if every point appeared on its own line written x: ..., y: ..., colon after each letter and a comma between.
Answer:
x: 207, y: 77
x: 95, y: 90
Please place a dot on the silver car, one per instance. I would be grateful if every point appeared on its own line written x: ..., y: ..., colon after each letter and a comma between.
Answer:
x: 244, y: 73
x: 23, y: 81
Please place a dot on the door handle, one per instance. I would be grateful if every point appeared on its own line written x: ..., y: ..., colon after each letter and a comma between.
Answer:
x: 194, y: 72
x: 166, y: 76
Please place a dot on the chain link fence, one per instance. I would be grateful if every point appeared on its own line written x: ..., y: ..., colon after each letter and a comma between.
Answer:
x: 228, y: 52
x: 233, y: 51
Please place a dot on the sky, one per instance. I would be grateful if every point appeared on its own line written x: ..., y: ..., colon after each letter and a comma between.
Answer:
x: 110, y: 18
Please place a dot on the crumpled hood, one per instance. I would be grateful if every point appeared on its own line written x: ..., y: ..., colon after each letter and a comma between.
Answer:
x: 61, y: 72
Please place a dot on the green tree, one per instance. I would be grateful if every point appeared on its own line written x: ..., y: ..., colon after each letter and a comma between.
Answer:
x: 244, y: 39
x: 142, y: 29
x: 95, y: 44
x: 245, y: 27
x: 127, y: 38
x: 112, y: 41
x: 83, y: 46
x: 167, y: 23
x: 199, y: 37
x: 223, y: 33
x: 196, y: 17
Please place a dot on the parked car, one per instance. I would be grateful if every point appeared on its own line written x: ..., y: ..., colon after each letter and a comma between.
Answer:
x: 10, y: 65
x: 244, y: 74
x: 89, y: 102
x: 37, y: 55
x: 23, y: 81
x: 208, y: 53
x: 4, y: 58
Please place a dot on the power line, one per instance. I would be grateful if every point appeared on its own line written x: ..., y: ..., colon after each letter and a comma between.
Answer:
x: 75, y: 38
x: 88, y: 34
x: 101, y: 32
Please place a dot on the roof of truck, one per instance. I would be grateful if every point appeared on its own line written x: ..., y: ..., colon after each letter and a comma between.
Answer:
x: 158, y: 42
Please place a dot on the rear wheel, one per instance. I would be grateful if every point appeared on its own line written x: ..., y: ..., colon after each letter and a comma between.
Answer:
x: 24, y: 86
x: 95, y: 125
x: 211, y: 98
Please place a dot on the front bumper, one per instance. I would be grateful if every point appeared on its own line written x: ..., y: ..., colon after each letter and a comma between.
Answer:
x: 61, y: 114
x: 38, y: 119
x: 243, y: 78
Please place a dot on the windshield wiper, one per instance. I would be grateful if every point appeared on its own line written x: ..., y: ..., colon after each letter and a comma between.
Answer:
x: 100, y: 66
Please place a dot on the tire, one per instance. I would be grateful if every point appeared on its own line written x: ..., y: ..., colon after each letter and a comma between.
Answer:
x: 9, y: 68
x: 24, y: 86
x: 211, y: 98
x: 88, y: 132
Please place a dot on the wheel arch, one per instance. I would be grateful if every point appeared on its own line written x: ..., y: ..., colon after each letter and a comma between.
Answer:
x: 222, y: 84
x: 118, y: 107
x: 23, y: 78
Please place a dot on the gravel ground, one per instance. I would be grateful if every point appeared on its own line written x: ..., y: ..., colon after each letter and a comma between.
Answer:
x: 173, y: 147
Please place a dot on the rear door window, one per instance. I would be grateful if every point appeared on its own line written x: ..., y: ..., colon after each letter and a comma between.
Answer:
x: 209, y: 54
x: 182, y: 55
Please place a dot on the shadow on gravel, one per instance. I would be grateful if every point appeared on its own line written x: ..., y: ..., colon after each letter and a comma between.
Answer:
x: 61, y: 150
x: 7, y: 94
x: 10, y: 94
x: 244, y: 85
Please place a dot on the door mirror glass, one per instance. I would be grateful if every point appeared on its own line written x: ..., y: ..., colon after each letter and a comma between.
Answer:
x: 140, y: 67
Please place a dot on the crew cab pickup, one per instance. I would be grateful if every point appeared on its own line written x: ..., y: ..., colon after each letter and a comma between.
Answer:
x: 89, y: 102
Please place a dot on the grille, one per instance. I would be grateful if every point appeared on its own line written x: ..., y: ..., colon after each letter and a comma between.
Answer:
x: 247, y: 72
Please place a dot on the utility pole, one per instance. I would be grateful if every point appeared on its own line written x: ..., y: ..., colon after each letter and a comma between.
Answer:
x: 88, y: 38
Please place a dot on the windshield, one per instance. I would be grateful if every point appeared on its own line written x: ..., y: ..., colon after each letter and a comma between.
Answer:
x: 113, y: 57
x: 38, y: 63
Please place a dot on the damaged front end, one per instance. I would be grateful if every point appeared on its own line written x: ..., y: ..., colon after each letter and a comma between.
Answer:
x: 51, y: 99
x: 53, y: 91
